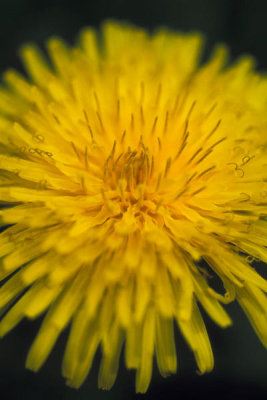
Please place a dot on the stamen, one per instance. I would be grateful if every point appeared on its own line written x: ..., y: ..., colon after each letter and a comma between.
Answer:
x: 142, y: 93
x: 132, y: 121
x: 166, y: 122
x: 75, y: 151
x: 203, y: 157
x: 159, y: 143
x: 100, y: 120
x: 158, y: 182
x: 142, y: 116
x: 82, y: 182
x: 206, y: 171
x: 117, y: 160
x: 183, y: 144
x: 56, y: 119
x: 118, y: 110
x: 176, y: 103
x: 89, y: 127
x: 181, y: 193
x: 211, y: 110
x: 218, y: 142
x: 97, y: 101
x: 113, y: 149
x: 154, y: 125
x: 198, y: 191
x: 191, y: 110
x: 214, y: 129
x: 106, y: 166
x: 123, y: 136
x: 194, y: 155
x: 167, y: 167
x: 152, y: 167
x: 190, y: 179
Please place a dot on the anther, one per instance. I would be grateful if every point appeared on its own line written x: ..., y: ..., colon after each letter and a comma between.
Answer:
x: 198, y: 191
x: 89, y: 127
x: 211, y: 110
x: 191, y: 110
x: 159, y: 143
x: 166, y: 122
x: 100, y: 120
x: 190, y: 179
x: 118, y: 110
x: 204, y: 156
x: 176, y: 103
x: 194, y: 156
x: 206, y: 171
x: 154, y: 125
x: 123, y: 136
x: 113, y: 148
x: 75, y: 150
x: 182, y: 146
x: 167, y: 167
x: 218, y: 142
x: 185, y: 127
x: 152, y: 166
x: 132, y: 121
x: 142, y: 92
x: 97, y: 101
x: 180, y: 193
x: 117, y: 160
x: 214, y: 129
x: 142, y: 115
x: 158, y: 182
x: 56, y: 119
x: 82, y: 182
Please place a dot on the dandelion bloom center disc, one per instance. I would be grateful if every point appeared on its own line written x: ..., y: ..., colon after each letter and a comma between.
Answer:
x: 129, y: 176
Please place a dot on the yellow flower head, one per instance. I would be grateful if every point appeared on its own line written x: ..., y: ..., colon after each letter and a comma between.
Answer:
x: 128, y: 174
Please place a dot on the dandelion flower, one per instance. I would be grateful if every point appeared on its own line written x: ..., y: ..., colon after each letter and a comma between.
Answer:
x: 129, y: 175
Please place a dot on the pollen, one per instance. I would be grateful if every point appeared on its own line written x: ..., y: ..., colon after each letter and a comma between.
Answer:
x: 131, y: 175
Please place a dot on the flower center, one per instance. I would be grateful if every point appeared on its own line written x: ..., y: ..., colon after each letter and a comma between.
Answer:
x: 128, y: 171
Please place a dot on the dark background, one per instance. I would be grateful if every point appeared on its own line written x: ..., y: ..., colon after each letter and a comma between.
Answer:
x: 240, y: 360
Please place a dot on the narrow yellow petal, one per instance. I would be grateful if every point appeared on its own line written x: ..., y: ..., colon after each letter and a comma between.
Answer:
x: 254, y: 303
x: 110, y: 359
x: 210, y: 304
x: 144, y: 372
x: 165, y: 346
x: 35, y: 65
x: 81, y: 347
x: 196, y: 336
x: 132, y: 346
x: 42, y: 346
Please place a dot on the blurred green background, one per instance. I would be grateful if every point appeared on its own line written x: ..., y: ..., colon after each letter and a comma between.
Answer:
x: 240, y: 360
